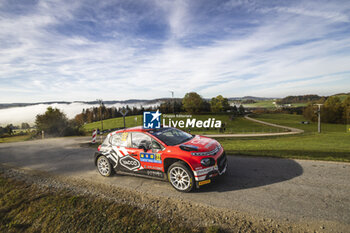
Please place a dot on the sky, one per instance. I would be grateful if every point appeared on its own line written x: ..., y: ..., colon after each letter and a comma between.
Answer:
x: 118, y: 50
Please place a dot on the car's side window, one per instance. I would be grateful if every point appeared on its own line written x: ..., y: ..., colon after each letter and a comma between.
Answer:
x: 119, y: 139
x: 156, y: 146
x: 138, y: 139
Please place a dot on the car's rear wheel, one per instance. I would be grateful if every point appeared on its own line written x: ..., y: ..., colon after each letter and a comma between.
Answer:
x: 104, y: 166
x: 181, y: 177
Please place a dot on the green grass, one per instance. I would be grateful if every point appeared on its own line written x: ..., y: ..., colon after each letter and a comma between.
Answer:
x: 15, y: 138
x: 25, y: 208
x: 293, y: 120
x: 114, y: 123
x: 269, y: 104
x: 236, y: 125
x: 333, y: 144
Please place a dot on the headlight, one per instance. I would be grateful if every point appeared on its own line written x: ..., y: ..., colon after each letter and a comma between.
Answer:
x: 207, y: 162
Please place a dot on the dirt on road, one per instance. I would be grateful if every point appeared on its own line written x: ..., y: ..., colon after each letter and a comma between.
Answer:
x: 257, y: 194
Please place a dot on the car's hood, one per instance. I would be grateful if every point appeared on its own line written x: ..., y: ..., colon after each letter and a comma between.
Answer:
x: 203, y: 143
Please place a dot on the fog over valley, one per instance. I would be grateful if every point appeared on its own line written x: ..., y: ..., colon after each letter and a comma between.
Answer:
x: 17, y: 115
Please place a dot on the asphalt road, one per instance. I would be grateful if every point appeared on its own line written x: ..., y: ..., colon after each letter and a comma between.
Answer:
x: 293, y: 190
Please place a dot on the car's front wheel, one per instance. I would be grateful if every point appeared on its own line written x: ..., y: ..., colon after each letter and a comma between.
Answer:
x: 181, y: 177
x: 104, y: 166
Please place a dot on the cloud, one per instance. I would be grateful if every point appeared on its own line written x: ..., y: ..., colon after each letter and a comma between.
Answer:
x: 53, y: 50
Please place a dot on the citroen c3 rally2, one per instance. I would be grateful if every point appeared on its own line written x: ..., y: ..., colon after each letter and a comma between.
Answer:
x: 186, y: 160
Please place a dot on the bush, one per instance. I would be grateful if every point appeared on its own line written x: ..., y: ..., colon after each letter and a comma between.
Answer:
x: 55, y: 123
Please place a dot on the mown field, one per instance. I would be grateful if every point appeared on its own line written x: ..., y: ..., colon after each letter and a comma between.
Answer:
x: 130, y: 121
x: 26, y: 208
x: 269, y: 104
x: 332, y: 144
x: 232, y: 125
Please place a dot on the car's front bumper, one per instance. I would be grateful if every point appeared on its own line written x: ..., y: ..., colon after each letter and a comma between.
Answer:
x: 206, y: 175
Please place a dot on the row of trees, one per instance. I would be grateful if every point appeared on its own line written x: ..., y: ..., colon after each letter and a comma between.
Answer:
x: 8, y: 130
x: 194, y: 103
x: 299, y: 99
x: 96, y: 113
x: 333, y: 110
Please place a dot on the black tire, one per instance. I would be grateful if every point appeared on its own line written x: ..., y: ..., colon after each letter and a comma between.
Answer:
x: 104, y: 167
x: 181, y: 177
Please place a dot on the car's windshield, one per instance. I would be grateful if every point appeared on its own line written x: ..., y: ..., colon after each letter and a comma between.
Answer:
x: 171, y: 136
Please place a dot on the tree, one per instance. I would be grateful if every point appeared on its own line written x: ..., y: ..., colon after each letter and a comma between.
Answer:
x: 79, y: 118
x: 192, y: 102
x: 332, y: 110
x: 2, y: 131
x: 25, y: 125
x: 52, y: 122
x: 219, y: 104
x: 55, y: 123
x: 310, y: 113
x: 9, y: 129
x: 346, y: 107
x: 234, y: 110
x: 241, y: 110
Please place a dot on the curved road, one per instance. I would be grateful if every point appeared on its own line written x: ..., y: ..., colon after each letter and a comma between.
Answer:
x: 292, y: 190
x: 291, y: 130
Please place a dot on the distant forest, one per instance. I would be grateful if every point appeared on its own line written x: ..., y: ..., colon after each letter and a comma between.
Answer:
x: 299, y: 99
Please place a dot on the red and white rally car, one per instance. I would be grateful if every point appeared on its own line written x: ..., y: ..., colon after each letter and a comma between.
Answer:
x: 186, y: 160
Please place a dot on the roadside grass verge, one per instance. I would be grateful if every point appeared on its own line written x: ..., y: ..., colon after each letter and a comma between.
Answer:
x: 333, y: 144
x: 16, y: 138
x: 26, y: 208
x: 114, y: 123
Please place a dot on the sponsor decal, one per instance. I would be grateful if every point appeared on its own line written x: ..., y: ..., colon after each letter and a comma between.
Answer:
x: 204, y: 182
x: 153, y: 167
x: 129, y: 162
x: 204, y: 171
x: 155, y: 173
x: 151, y: 157
x: 124, y: 136
x: 151, y: 120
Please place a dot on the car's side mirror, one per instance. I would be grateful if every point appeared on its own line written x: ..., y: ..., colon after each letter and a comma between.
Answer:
x: 144, y: 147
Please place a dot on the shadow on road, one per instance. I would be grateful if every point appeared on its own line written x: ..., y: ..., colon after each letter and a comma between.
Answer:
x: 250, y: 172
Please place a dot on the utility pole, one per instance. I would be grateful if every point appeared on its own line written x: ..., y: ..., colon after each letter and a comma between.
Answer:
x: 100, y: 102
x: 172, y: 96
x: 319, y: 117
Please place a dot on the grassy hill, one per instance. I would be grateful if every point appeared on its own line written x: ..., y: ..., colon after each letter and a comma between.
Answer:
x: 235, y: 125
x: 332, y: 144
